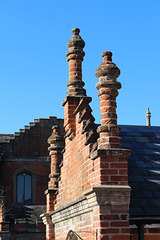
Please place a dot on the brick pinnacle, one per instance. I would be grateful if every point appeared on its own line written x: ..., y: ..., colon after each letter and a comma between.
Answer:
x: 75, y: 57
x: 108, y: 86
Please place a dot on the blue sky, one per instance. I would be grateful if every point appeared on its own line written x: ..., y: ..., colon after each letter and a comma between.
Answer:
x: 34, y: 69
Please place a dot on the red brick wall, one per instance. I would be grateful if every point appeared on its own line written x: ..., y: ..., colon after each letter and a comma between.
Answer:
x: 76, y: 172
x: 32, y: 141
x: 81, y: 172
x: 41, y: 171
x: 93, y: 193
x: 29, y: 149
x: 151, y: 232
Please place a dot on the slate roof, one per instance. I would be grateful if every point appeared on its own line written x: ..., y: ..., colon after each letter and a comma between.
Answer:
x: 143, y: 169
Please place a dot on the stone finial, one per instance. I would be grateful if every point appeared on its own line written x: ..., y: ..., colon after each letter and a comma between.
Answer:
x: 76, y: 40
x: 148, y: 117
x: 75, y: 45
x: 107, y: 68
x: 55, y: 140
x: 108, y: 86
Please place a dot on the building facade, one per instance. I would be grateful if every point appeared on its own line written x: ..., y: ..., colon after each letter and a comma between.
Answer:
x: 25, y: 167
x: 89, y: 195
x: 100, y: 181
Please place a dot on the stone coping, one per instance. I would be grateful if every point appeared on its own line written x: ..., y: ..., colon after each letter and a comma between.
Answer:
x: 106, y: 188
x: 101, y: 188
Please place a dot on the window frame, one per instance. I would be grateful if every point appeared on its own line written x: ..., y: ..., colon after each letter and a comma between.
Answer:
x: 33, y: 185
x: 24, y: 188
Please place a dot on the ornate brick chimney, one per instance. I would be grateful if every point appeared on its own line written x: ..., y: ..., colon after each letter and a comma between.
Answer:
x: 93, y: 193
x: 56, y: 142
x: 75, y: 84
x: 108, y: 86
x: 110, y: 160
x: 75, y: 57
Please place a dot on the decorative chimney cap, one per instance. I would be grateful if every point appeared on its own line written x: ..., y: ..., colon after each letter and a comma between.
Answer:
x: 107, y: 67
x: 76, y: 40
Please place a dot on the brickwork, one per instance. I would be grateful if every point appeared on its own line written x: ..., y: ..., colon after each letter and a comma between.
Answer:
x: 26, y: 152
x: 86, y: 177
x: 31, y: 141
x: 41, y: 171
x: 108, y: 86
x: 76, y: 171
x: 151, y: 232
x: 93, y: 195
x: 75, y: 84
x: 56, y: 142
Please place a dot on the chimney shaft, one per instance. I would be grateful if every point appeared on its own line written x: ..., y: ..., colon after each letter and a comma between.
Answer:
x: 75, y: 84
x: 75, y: 57
x: 148, y: 117
x: 108, y: 91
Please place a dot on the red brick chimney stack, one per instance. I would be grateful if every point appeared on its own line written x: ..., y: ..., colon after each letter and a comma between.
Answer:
x: 108, y: 86
x: 75, y: 57
x: 75, y: 84
x: 110, y: 161
x: 93, y: 193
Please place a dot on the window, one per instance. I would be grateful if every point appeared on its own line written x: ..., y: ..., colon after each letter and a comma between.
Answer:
x: 24, y: 188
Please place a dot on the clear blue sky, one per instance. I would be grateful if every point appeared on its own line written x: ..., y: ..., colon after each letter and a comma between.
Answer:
x: 34, y: 69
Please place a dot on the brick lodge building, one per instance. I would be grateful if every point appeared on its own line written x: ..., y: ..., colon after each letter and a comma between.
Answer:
x: 100, y: 181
